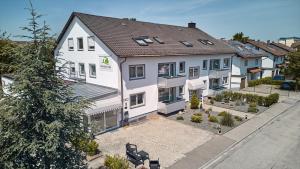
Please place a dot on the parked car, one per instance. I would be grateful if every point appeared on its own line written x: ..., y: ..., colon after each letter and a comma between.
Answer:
x: 288, y: 85
x: 279, y: 77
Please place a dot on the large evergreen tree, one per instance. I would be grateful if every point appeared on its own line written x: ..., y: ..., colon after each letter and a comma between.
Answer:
x: 41, y: 118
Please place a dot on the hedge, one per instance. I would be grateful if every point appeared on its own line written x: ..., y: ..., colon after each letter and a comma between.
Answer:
x: 266, y: 80
x: 248, y: 98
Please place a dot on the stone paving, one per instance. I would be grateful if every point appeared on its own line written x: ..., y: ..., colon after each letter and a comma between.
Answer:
x: 162, y: 138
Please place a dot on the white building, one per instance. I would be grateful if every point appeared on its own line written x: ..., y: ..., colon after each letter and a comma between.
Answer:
x: 288, y: 41
x: 273, y: 61
x: 246, y: 64
x: 130, y: 69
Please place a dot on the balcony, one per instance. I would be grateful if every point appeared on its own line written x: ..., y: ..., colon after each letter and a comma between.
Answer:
x: 167, y: 107
x: 218, y: 73
x: 171, y: 81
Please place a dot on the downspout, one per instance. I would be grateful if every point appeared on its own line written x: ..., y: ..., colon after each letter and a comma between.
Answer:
x: 122, y: 90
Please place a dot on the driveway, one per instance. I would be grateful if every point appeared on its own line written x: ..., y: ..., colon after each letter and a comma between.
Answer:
x: 162, y: 138
x: 275, y: 146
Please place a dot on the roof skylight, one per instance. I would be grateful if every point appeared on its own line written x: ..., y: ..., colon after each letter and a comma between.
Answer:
x: 148, y: 40
x: 158, y: 40
x: 187, y: 44
x: 205, y: 42
x: 140, y: 41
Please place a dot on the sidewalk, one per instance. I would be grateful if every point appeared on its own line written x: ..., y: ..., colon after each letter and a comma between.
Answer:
x: 205, y: 153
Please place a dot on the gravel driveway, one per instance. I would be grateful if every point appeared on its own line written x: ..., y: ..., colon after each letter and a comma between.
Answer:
x: 162, y: 138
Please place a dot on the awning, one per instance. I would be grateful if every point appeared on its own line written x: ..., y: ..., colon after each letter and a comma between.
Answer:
x: 254, y: 70
x: 104, y: 109
x: 196, y: 84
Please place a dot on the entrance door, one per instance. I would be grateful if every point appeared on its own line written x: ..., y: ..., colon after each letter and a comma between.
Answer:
x: 243, y: 83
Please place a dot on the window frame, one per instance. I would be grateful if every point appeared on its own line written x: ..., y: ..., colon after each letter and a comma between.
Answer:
x: 246, y: 63
x: 204, y: 68
x: 181, y: 93
x: 80, y: 64
x: 256, y: 62
x: 78, y: 44
x: 136, y: 74
x: 182, y: 71
x: 72, y: 65
x: 194, y: 67
x: 226, y: 80
x: 93, y: 39
x: 136, y: 100
x: 228, y: 66
x: 211, y: 64
x: 92, y: 76
x: 69, y: 44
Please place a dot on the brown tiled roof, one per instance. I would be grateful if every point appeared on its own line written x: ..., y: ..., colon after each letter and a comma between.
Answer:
x: 118, y: 34
x: 296, y: 44
x: 268, y: 48
x: 282, y: 46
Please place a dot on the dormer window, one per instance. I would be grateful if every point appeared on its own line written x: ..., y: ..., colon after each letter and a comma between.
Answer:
x: 158, y: 40
x: 70, y: 44
x: 91, y: 43
x: 80, y: 43
x: 187, y: 44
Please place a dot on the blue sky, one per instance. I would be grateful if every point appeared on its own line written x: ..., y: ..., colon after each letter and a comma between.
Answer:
x: 259, y: 19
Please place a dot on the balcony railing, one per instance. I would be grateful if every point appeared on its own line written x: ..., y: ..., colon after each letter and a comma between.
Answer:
x: 218, y: 73
x: 167, y: 107
x: 171, y: 81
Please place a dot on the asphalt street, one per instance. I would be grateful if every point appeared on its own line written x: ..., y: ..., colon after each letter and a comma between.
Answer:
x: 275, y: 146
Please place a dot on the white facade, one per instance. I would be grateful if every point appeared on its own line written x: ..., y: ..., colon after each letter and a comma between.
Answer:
x: 147, y: 87
x: 288, y: 41
x: 240, y: 72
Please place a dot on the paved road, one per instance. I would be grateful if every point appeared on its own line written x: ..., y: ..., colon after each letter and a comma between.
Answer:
x: 276, y: 146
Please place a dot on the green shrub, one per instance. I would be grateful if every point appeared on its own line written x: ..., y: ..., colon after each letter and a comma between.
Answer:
x: 198, y: 114
x: 213, y: 119
x: 252, y: 104
x: 212, y: 101
x: 271, y: 99
x: 218, y: 97
x: 227, y: 120
x: 92, y: 148
x: 252, y: 109
x: 222, y: 113
x: 194, y: 102
x: 179, y: 118
x: 238, y: 118
x: 116, y: 162
x: 266, y: 80
x: 196, y: 119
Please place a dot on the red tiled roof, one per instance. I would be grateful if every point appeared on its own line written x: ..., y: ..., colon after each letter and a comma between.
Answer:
x: 117, y: 34
x: 268, y: 48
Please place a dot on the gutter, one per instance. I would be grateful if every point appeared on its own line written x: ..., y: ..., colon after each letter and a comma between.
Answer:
x: 122, y: 91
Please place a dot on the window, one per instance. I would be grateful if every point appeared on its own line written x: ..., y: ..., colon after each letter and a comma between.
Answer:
x: 136, y: 72
x: 80, y: 43
x: 194, y: 72
x: 246, y: 63
x: 256, y: 61
x: 205, y: 42
x: 91, y: 43
x: 81, y: 69
x: 147, y: 39
x: 182, y: 67
x: 226, y: 63
x: 187, y: 44
x: 214, y: 64
x: 166, y: 69
x: 225, y: 80
x: 181, y: 90
x: 71, y: 44
x: 72, y: 68
x: 137, y: 100
x: 158, y: 40
x: 141, y: 42
x: 204, y: 65
x: 92, y: 70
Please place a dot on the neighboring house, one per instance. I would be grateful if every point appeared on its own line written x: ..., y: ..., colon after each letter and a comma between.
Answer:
x: 274, y: 61
x: 296, y: 46
x: 246, y: 64
x: 149, y: 67
x: 288, y: 41
x: 283, y: 47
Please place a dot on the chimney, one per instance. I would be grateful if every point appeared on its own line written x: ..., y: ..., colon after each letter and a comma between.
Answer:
x: 191, y: 25
x: 268, y: 42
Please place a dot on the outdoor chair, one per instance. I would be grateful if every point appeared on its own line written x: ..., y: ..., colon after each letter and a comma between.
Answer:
x: 131, y: 148
x: 154, y: 164
x: 135, y: 158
